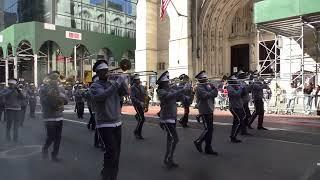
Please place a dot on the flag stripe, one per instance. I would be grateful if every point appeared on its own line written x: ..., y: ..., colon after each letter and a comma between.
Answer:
x: 163, y: 8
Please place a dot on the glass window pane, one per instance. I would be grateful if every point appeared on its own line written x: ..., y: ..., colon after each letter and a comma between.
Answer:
x: 69, y: 8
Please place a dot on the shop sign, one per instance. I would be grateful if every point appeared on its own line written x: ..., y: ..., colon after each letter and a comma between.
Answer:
x: 60, y: 58
x: 49, y: 26
x: 73, y: 35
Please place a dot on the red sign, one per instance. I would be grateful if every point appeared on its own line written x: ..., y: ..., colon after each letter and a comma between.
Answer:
x: 73, y: 35
x: 60, y: 58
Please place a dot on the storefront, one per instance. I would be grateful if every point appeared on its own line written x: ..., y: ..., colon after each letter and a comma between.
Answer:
x: 31, y: 50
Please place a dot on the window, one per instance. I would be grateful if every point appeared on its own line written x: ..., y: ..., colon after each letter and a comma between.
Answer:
x: 117, y: 30
x: 101, y: 24
x: 131, y: 29
x: 161, y: 66
x: 86, y: 24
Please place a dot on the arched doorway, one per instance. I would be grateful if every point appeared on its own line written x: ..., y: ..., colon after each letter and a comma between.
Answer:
x: 223, y: 27
x: 83, y: 62
x: 50, y: 59
x: 106, y: 53
x: 239, y: 58
x: 130, y: 55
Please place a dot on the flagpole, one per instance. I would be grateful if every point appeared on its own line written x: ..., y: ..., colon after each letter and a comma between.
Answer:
x: 179, y: 14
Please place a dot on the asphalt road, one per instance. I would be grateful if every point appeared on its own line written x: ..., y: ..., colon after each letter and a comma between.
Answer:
x: 269, y: 155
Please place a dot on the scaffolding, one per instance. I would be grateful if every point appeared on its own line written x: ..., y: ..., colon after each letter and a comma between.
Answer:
x: 291, y: 56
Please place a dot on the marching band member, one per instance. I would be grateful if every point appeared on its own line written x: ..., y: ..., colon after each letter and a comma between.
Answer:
x: 52, y: 99
x: 168, y: 97
x: 186, y: 101
x: 245, y: 98
x: 79, y: 98
x: 257, y: 96
x: 2, y: 101
x: 138, y: 95
x: 235, y: 107
x: 32, y: 96
x: 92, y: 123
x: 12, y: 97
x: 205, y: 93
x: 24, y: 103
x: 106, y: 94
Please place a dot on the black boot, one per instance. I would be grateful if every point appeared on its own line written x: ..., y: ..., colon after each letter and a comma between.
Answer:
x: 209, y: 151
x: 262, y: 128
x: 235, y: 140
x: 198, y: 146
x: 198, y: 118
x: 170, y: 164
x: 54, y: 158
x: 183, y: 124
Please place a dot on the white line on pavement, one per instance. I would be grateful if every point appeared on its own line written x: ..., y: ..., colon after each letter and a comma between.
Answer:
x: 290, y: 142
x: 79, y: 122
x: 267, y: 139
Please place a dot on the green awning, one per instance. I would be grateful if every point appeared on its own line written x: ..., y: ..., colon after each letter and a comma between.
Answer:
x: 37, y: 35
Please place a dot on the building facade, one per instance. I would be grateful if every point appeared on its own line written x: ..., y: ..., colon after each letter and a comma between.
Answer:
x: 220, y: 37
x: 66, y: 35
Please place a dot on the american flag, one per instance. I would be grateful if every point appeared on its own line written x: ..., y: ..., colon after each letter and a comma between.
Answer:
x: 163, y: 8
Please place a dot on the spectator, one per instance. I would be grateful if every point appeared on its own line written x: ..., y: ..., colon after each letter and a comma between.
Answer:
x: 291, y: 97
x: 307, y: 98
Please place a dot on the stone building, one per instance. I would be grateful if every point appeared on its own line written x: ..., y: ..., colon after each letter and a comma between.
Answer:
x: 219, y: 36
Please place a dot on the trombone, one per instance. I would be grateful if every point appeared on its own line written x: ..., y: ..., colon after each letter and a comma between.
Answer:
x: 236, y: 82
x: 125, y: 65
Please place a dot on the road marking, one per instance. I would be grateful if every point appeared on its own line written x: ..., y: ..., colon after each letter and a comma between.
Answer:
x: 289, y: 142
x: 178, y: 127
x: 79, y: 122
x: 35, y: 150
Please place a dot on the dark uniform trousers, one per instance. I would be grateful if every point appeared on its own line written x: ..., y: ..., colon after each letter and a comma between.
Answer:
x: 111, y: 139
x: 246, y: 118
x: 80, y: 109
x: 172, y: 140
x: 92, y: 123
x: 2, y: 111
x: 13, y: 117
x: 22, y: 114
x: 208, y: 130
x: 140, y: 118
x: 259, y: 111
x: 238, y: 118
x: 32, y: 105
x: 54, y: 130
x: 185, y: 117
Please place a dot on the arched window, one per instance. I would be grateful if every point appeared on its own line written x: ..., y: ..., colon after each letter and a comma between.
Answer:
x: 131, y: 29
x: 117, y: 22
x: 86, y: 25
x: 101, y: 24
